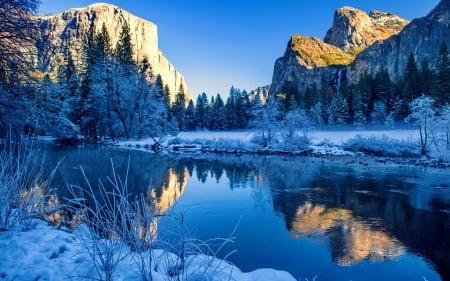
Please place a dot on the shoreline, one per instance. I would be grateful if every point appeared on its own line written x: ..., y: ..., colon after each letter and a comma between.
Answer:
x: 337, y: 153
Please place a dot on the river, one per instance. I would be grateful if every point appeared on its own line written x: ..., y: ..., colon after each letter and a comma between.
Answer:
x: 334, y: 219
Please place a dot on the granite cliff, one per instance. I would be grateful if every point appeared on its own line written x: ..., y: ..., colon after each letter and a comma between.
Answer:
x: 64, y: 32
x: 422, y: 37
x: 359, y: 43
x: 354, y: 29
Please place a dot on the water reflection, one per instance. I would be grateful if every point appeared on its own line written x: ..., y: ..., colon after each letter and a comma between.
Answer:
x: 351, y: 240
x: 361, y: 213
x: 160, y: 180
x: 172, y: 188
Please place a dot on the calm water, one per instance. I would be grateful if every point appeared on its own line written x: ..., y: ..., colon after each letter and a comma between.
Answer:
x: 308, y: 216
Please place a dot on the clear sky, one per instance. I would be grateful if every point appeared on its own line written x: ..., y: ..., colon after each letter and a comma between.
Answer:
x: 219, y: 43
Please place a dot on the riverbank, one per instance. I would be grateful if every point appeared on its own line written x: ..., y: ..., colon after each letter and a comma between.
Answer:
x: 398, y: 147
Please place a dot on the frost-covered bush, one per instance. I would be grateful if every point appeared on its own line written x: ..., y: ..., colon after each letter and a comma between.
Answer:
x: 24, y: 192
x: 263, y: 141
x: 294, y: 143
x: 228, y: 144
x: 106, y: 217
x: 381, y: 146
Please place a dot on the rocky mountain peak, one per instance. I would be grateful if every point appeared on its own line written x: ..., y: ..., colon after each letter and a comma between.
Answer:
x: 64, y: 32
x: 422, y: 37
x: 354, y: 29
x: 313, y: 52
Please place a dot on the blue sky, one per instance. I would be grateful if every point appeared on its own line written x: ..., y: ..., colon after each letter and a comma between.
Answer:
x: 219, y: 43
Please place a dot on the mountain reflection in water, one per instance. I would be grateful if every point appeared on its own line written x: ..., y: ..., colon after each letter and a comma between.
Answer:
x: 351, y: 240
x: 376, y: 213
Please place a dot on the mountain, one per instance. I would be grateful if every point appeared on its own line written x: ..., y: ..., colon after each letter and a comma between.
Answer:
x: 354, y: 29
x: 422, y: 37
x: 308, y: 60
x: 64, y: 32
x: 363, y: 44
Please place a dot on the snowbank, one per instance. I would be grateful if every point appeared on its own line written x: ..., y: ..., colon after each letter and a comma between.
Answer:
x: 47, y: 253
x: 321, y: 142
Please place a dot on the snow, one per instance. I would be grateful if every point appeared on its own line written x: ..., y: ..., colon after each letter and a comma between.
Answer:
x: 48, y: 253
x: 339, y: 137
x: 323, y: 142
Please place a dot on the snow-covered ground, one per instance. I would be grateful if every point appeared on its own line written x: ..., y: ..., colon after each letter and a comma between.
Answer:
x: 327, y: 142
x: 338, y: 137
x: 47, y: 253
x: 335, y: 137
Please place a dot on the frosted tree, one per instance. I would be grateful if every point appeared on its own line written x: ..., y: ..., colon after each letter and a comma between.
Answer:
x: 84, y: 116
x: 359, y: 118
x: 294, y: 121
x: 51, y: 115
x: 265, y: 120
x: 316, y: 113
x: 162, y: 94
x: 444, y: 124
x: 18, y: 33
x: 338, y: 111
x: 123, y: 82
x: 423, y: 117
x: 68, y: 81
x: 146, y: 105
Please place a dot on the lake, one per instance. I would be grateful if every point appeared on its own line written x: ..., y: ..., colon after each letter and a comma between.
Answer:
x: 334, y: 219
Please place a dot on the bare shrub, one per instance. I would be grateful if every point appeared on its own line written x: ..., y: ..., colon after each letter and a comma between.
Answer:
x: 142, y: 235
x: 116, y: 227
x: 106, y: 213
x: 24, y: 193
x: 188, y: 258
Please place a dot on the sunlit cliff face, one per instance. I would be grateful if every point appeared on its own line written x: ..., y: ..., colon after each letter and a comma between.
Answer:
x: 351, y: 240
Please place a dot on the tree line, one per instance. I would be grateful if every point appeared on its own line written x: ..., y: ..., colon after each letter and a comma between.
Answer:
x: 374, y: 100
x: 110, y: 95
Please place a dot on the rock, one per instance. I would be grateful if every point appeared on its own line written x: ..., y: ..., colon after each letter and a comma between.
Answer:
x: 64, y: 32
x: 307, y: 61
x: 353, y: 29
x: 422, y: 37
x: 260, y: 93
